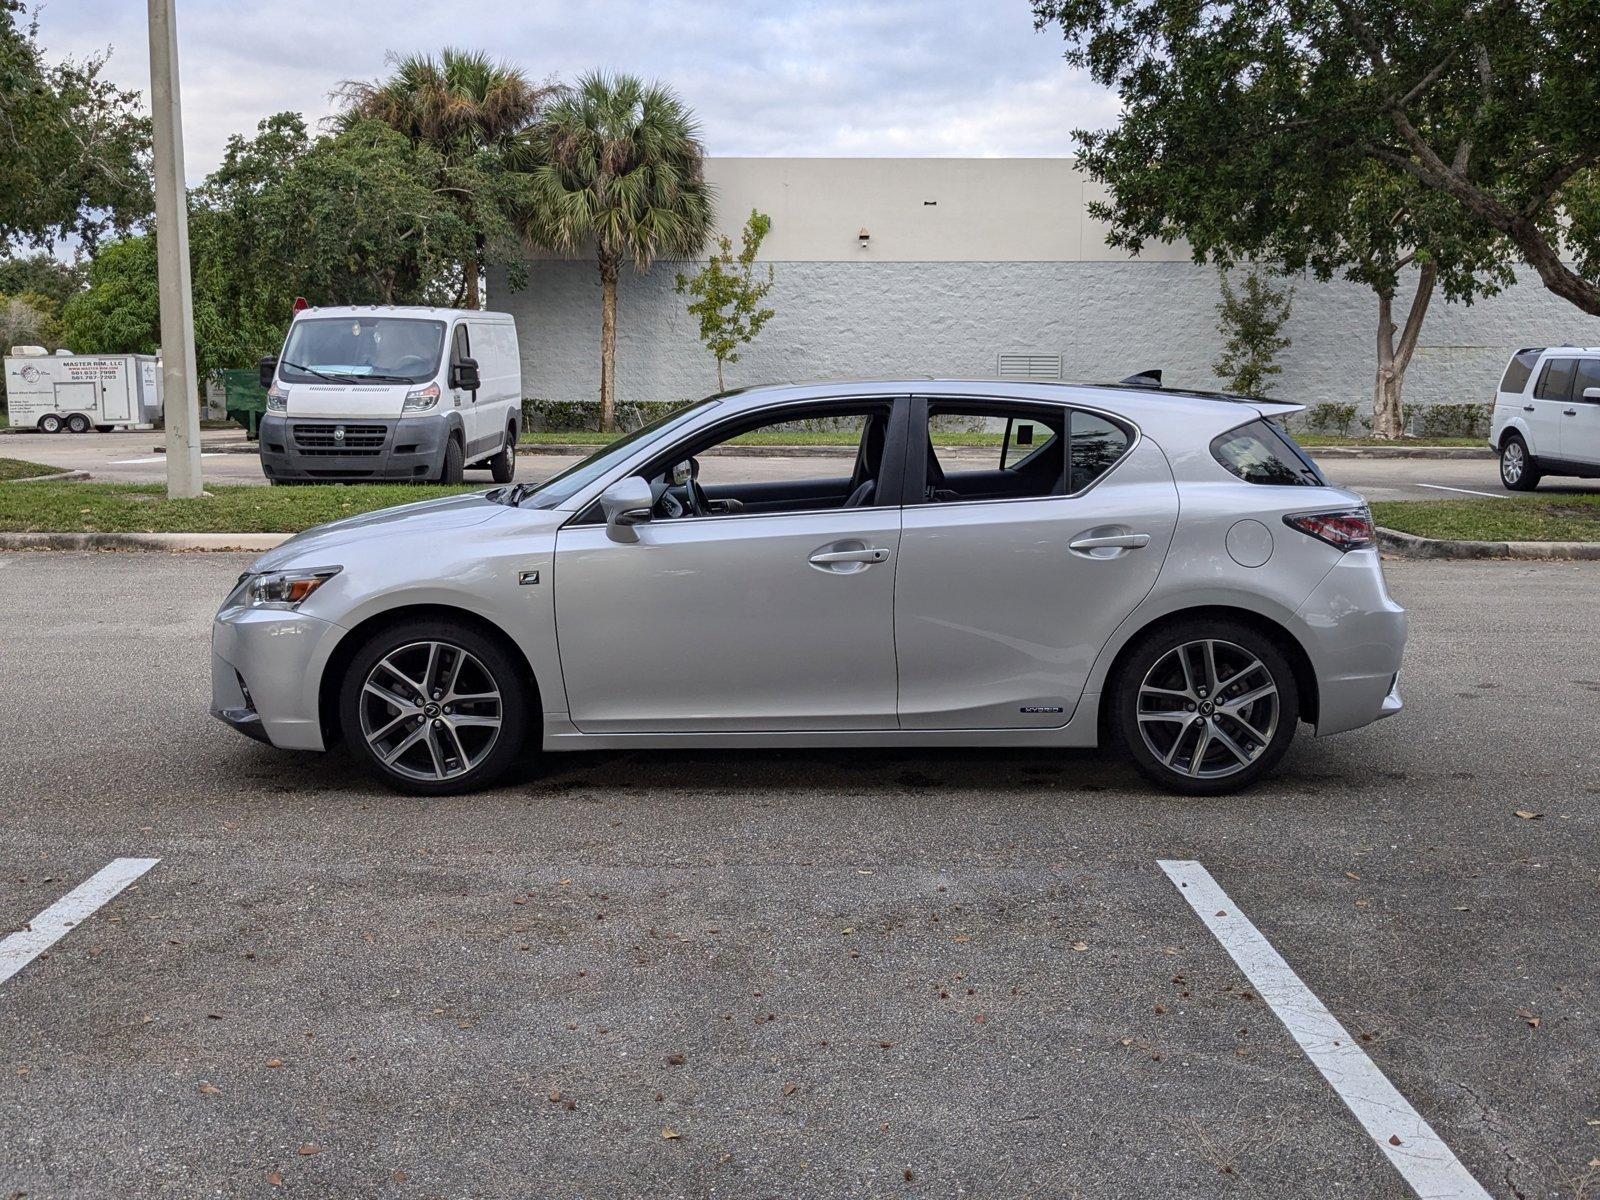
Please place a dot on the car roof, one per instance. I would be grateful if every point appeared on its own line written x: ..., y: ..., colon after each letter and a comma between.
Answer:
x: 1137, y: 403
x: 1560, y: 350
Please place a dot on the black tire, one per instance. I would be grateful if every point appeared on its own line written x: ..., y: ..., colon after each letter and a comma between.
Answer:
x: 1519, y: 470
x: 78, y: 423
x: 503, y: 466
x: 407, y: 641
x: 104, y: 428
x: 50, y: 423
x: 454, y: 463
x: 1221, y: 769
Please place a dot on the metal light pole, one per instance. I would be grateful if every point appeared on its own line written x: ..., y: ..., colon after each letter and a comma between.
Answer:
x: 178, y: 375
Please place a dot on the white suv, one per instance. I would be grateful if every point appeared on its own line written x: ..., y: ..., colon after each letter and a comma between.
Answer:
x: 1547, y: 415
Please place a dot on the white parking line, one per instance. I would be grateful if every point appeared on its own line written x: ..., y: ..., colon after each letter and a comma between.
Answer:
x: 155, y: 458
x: 1410, y: 1143
x: 1439, y: 487
x: 53, y: 924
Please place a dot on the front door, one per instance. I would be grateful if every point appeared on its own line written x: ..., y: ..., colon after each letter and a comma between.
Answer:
x: 1580, y: 430
x: 759, y: 597
x: 1013, y: 577
x: 465, y: 402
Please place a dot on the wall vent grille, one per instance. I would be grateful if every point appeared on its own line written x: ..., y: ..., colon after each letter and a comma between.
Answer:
x: 1030, y: 366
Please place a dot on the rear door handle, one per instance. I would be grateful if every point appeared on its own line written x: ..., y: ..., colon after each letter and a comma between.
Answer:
x: 1569, y: 412
x: 1118, y: 541
x: 829, y: 557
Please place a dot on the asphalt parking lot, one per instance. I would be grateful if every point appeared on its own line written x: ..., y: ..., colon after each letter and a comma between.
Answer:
x: 133, y: 458
x: 787, y: 973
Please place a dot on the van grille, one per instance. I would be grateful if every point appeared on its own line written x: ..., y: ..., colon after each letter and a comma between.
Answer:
x: 358, y: 440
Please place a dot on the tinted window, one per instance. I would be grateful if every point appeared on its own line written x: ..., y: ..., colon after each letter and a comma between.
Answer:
x: 1261, y: 453
x: 1556, y: 381
x: 1519, y: 369
x: 1096, y: 444
x: 1588, y: 377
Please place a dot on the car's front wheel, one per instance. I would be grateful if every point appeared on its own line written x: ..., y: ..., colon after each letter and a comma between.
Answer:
x: 435, y: 707
x: 1205, y: 707
x: 1518, y: 471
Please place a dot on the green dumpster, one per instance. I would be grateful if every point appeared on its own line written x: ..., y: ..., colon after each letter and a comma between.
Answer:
x: 244, y: 398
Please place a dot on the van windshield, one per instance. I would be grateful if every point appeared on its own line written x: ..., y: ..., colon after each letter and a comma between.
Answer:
x: 362, y: 349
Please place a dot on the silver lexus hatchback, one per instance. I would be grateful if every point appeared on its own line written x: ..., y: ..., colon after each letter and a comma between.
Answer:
x: 1162, y: 570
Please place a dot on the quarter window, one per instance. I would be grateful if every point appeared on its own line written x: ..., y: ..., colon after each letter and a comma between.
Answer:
x: 1519, y: 370
x: 1096, y: 446
x: 1556, y: 382
x: 1260, y: 452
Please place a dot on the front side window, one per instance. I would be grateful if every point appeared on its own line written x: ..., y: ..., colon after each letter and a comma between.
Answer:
x: 361, y: 349
x: 710, y: 476
x: 1260, y: 452
x: 1588, y: 377
x: 584, y: 472
x: 1556, y: 381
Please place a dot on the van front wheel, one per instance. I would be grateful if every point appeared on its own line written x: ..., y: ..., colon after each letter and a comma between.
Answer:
x: 453, y: 463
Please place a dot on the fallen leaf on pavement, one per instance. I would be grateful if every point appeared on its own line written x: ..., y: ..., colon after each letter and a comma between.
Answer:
x: 207, y: 1089
x: 1080, y: 946
x: 275, y: 1179
x: 668, y: 1133
x: 274, y: 1062
x: 308, y: 1150
x: 1526, y: 815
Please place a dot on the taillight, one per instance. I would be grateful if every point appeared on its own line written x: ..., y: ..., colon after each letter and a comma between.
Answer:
x: 1349, y: 529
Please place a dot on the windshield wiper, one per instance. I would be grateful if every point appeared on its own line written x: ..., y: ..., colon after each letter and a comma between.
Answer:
x: 512, y: 496
x: 294, y: 366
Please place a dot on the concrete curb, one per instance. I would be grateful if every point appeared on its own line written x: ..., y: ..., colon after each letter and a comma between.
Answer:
x: 142, y: 541
x: 1399, y: 452
x: 58, y: 477
x: 1408, y: 545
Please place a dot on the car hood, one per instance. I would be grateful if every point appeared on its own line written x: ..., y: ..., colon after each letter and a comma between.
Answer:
x: 422, y: 519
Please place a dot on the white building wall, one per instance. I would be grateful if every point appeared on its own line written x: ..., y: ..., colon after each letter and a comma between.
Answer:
x: 1006, y: 260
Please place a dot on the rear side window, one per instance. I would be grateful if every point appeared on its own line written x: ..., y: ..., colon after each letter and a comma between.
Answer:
x: 1260, y: 452
x: 1555, y: 383
x: 1588, y: 377
x: 1520, y: 369
x: 1096, y: 444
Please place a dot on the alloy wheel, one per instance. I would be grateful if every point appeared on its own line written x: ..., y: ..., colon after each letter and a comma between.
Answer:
x: 1512, y: 462
x: 1208, y: 709
x: 430, y: 711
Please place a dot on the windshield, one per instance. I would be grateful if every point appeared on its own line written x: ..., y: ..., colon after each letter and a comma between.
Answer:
x: 578, y: 476
x: 362, y: 349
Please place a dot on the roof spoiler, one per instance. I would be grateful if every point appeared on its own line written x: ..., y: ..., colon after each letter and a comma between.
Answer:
x: 1146, y: 379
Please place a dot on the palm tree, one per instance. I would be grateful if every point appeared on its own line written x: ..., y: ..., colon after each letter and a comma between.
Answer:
x: 615, y: 163
x: 464, y: 105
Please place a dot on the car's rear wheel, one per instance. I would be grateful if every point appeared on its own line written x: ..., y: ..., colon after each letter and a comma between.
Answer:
x: 1205, y: 707
x: 1518, y: 471
x: 435, y: 707
x: 503, y: 466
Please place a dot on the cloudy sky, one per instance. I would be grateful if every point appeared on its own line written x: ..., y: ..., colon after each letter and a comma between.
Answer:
x: 802, y: 77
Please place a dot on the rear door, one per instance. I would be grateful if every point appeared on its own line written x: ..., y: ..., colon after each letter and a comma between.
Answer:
x: 1015, y: 572
x: 1545, y: 408
x: 1580, y: 431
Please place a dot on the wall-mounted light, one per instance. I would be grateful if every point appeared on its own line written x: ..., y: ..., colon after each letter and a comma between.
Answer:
x: 863, y: 238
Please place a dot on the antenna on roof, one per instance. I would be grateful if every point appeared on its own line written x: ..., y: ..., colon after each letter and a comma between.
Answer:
x: 1149, y: 379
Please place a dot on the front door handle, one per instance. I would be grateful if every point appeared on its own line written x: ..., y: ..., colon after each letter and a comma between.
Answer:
x: 1115, y: 541
x: 827, y: 558
x: 1527, y: 408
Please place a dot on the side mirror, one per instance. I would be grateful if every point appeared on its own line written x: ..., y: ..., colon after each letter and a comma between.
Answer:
x: 464, y: 375
x: 1591, y: 393
x: 626, y: 503
x: 268, y: 368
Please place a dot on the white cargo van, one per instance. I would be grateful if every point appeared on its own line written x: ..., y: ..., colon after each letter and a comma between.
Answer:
x: 392, y: 392
x: 80, y: 392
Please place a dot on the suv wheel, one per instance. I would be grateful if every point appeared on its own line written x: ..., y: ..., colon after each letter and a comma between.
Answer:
x: 435, y: 707
x: 503, y: 466
x: 1518, y: 471
x: 1205, y: 707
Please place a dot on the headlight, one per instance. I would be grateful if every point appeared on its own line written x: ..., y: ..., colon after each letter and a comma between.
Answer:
x: 277, y: 398
x: 421, y: 400
x: 278, y: 589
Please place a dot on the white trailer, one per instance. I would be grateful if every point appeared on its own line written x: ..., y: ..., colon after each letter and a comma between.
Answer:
x: 80, y: 392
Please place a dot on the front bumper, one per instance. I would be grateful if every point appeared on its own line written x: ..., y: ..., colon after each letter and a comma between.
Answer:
x: 266, y: 674
x: 1355, y: 636
x: 353, y: 448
